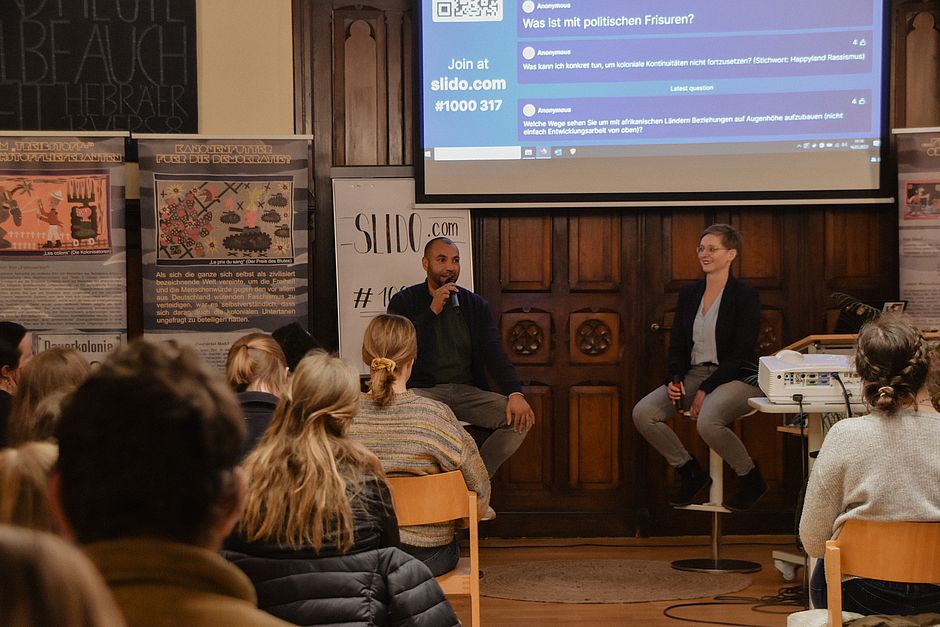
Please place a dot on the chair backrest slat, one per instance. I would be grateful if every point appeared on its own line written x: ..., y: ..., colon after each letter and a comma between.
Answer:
x: 421, y: 500
x: 896, y: 551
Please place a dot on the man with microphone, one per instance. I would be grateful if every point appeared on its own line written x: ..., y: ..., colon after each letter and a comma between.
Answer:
x: 458, y: 345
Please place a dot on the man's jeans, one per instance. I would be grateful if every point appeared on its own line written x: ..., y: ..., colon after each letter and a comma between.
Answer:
x: 438, y: 559
x: 482, y: 409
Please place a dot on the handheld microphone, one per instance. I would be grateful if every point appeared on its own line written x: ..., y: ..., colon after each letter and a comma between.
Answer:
x: 677, y: 381
x: 454, y: 301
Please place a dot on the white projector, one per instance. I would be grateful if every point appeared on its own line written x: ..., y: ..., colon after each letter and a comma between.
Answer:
x: 812, y: 375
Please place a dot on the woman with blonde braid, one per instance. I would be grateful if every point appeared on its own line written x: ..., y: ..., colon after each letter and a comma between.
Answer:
x: 883, y: 466
x: 413, y: 435
x: 257, y: 370
x: 318, y: 528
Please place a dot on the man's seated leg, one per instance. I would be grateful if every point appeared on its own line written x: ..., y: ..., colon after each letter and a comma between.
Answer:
x: 487, y: 410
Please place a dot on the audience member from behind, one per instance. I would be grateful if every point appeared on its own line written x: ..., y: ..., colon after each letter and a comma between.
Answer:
x: 24, y: 485
x: 413, y: 435
x: 257, y: 370
x: 883, y: 466
x: 16, y: 349
x: 148, y: 482
x: 44, y: 580
x: 318, y: 517
x: 44, y: 382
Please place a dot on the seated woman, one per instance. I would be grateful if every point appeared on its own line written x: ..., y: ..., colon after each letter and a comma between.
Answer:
x: 44, y: 382
x: 711, y: 353
x: 318, y: 514
x: 257, y: 370
x: 883, y: 466
x: 413, y: 435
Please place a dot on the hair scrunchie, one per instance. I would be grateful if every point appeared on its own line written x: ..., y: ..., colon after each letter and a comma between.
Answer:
x: 383, y: 362
x: 885, y: 390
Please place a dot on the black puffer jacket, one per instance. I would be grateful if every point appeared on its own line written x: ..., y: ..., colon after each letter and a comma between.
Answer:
x: 381, y: 587
x: 373, y: 584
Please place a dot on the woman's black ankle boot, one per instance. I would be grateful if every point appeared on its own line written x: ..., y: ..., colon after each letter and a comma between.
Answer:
x: 693, y: 480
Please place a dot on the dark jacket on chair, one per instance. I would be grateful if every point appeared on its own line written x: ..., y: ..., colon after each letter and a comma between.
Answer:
x: 381, y: 587
x: 373, y: 584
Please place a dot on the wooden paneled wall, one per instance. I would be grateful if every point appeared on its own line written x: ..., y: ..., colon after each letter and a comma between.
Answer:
x: 585, y: 297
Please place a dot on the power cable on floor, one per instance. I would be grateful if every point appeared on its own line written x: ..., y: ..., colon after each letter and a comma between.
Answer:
x: 792, y: 596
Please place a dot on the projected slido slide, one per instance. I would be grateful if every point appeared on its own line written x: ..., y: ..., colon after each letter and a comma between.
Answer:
x: 651, y: 97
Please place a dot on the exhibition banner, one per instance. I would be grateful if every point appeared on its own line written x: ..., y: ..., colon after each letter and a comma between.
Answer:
x: 919, y: 223
x: 380, y: 239
x: 223, y: 237
x: 62, y: 238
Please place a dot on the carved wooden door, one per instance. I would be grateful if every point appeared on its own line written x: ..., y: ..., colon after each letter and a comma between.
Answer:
x: 562, y: 287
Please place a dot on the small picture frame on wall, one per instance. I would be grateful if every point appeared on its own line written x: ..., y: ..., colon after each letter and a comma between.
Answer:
x: 894, y: 306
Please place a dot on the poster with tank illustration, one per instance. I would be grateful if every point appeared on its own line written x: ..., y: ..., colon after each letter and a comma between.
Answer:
x: 62, y: 234
x: 223, y: 237
x: 214, y: 220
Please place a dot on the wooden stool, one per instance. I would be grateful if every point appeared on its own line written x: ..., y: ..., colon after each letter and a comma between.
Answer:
x: 715, y: 564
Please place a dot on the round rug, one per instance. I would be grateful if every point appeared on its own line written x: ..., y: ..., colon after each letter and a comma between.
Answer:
x: 603, y: 581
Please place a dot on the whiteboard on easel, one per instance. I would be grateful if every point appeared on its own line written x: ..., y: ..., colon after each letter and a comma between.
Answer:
x: 380, y: 239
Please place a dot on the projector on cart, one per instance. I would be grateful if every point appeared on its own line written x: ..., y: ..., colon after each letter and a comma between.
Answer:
x: 815, y: 376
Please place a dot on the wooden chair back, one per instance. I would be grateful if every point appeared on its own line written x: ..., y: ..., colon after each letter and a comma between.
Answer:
x: 908, y: 552
x: 421, y: 500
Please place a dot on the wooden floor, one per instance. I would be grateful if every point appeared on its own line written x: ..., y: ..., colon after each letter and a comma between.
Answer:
x: 755, y: 548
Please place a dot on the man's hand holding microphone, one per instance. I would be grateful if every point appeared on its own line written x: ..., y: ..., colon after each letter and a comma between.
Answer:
x: 441, y: 295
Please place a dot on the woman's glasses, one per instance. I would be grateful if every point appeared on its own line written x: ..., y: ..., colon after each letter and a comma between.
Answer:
x: 711, y: 250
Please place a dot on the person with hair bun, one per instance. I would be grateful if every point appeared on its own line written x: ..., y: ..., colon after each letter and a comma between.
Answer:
x: 257, y: 370
x: 882, y: 466
x: 413, y: 435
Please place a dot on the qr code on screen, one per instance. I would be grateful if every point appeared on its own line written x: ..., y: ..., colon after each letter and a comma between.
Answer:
x: 468, y: 10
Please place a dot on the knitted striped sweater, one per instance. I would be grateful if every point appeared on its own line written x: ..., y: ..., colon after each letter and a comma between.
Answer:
x: 418, y: 436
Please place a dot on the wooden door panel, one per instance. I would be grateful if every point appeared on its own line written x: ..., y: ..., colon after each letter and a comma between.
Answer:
x: 684, y: 233
x: 594, y: 252
x: 759, y: 261
x: 851, y: 248
x: 527, y: 336
x: 593, y: 433
x: 525, y: 253
x: 530, y: 467
x: 594, y: 338
x: 360, y: 96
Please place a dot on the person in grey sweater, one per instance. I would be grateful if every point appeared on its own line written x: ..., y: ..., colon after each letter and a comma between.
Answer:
x: 883, y: 466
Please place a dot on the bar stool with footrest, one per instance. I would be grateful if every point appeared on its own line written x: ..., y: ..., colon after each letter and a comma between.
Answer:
x: 715, y: 564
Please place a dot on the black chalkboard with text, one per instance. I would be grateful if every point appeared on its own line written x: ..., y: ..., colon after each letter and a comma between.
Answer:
x: 95, y: 65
